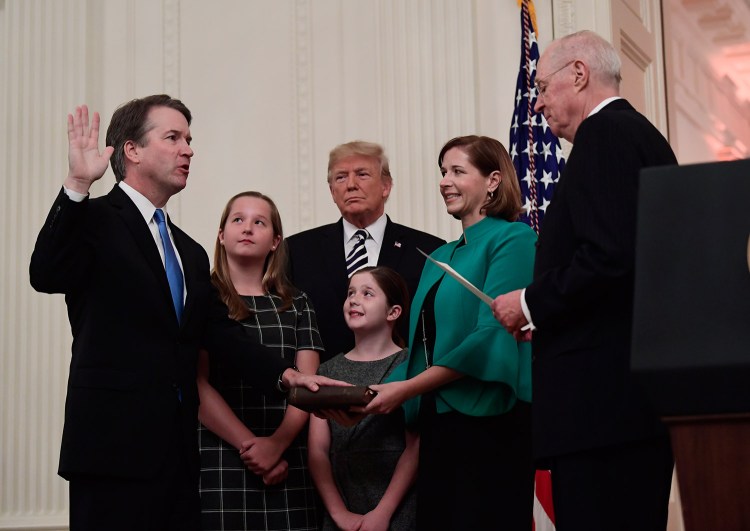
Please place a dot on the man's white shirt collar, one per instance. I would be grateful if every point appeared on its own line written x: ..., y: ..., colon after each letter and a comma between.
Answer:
x: 603, y: 104
x: 147, y: 209
x: 376, y: 230
x: 144, y: 205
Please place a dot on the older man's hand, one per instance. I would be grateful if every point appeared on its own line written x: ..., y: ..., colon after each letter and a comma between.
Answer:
x: 507, y: 310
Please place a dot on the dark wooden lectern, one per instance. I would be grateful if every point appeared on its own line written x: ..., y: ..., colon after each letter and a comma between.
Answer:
x: 691, y: 331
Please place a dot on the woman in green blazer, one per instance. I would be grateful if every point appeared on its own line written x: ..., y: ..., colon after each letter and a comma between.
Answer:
x: 466, y: 385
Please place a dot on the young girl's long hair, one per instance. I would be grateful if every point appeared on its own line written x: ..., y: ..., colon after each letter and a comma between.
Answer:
x: 396, y: 293
x: 275, y: 280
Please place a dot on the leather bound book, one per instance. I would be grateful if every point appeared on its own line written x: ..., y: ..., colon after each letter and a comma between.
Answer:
x: 330, y: 397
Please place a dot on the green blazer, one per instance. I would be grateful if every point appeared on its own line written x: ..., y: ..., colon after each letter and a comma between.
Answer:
x: 497, y: 257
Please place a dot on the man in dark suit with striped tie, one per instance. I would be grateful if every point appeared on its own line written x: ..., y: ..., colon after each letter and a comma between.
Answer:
x: 323, y: 258
x: 129, y: 446
x: 608, y: 452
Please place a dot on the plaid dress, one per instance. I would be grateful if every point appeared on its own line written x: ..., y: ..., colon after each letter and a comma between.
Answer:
x: 232, y: 497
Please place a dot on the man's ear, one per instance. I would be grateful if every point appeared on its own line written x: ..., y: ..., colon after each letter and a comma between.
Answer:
x: 131, y: 151
x: 582, y: 74
x: 387, y: 186
x: 393, y: 312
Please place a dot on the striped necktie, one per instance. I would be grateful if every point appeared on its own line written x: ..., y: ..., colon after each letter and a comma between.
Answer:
x: 172, y: 266
x: 357, y: 257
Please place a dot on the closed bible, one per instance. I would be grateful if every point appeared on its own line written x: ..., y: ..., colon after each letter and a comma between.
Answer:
x: 330, y: 397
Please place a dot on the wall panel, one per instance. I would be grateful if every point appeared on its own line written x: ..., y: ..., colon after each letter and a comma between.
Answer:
x: 39, y: 37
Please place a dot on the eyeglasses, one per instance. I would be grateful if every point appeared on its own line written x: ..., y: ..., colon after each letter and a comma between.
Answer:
x: 541, y: 84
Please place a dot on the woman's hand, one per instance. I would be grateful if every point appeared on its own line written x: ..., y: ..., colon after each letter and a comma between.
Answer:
x: 390, y: 397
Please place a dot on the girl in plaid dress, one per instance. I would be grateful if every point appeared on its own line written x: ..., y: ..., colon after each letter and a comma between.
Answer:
x: 253, y: 460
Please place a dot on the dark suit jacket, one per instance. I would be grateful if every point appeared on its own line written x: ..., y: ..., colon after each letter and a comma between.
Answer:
x: 131, y: 360
x: 581, y: 296
x: 318, y: 268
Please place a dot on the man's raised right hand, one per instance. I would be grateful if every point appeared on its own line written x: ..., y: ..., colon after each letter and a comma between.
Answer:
x: 85, y: 163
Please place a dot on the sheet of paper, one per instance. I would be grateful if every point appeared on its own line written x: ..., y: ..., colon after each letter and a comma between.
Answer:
x: 465, y: 283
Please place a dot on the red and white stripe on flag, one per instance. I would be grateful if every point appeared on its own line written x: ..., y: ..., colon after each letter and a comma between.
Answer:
x: 544, y: 516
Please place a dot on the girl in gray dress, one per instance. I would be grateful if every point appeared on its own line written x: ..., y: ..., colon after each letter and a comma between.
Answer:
x: 365, y: 473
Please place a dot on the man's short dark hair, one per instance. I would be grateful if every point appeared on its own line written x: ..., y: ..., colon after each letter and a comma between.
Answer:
x: 130, y: 122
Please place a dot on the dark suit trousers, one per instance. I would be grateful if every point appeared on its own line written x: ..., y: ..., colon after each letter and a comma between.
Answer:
x: 618, y: 488
x: 167, y: 502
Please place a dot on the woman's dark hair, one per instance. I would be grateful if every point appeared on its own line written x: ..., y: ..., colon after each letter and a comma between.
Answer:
x: 487, y: 155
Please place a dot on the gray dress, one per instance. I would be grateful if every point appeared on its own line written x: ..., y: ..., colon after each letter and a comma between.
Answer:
x: 364, y: 456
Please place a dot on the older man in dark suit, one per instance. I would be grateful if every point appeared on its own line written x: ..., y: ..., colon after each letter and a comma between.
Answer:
x: 360, y: 182
x: 140, y: 304
x: 609, y: 454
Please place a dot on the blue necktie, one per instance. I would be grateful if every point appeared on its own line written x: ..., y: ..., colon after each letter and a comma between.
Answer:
x: 174, y: 273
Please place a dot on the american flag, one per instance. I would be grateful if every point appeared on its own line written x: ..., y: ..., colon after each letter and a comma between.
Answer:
x: 535, y: 151
x: 538, y: 159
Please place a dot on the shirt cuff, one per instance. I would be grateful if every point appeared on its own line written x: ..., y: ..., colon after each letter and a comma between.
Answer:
x: 74, y: 196
x: 525, y: 310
